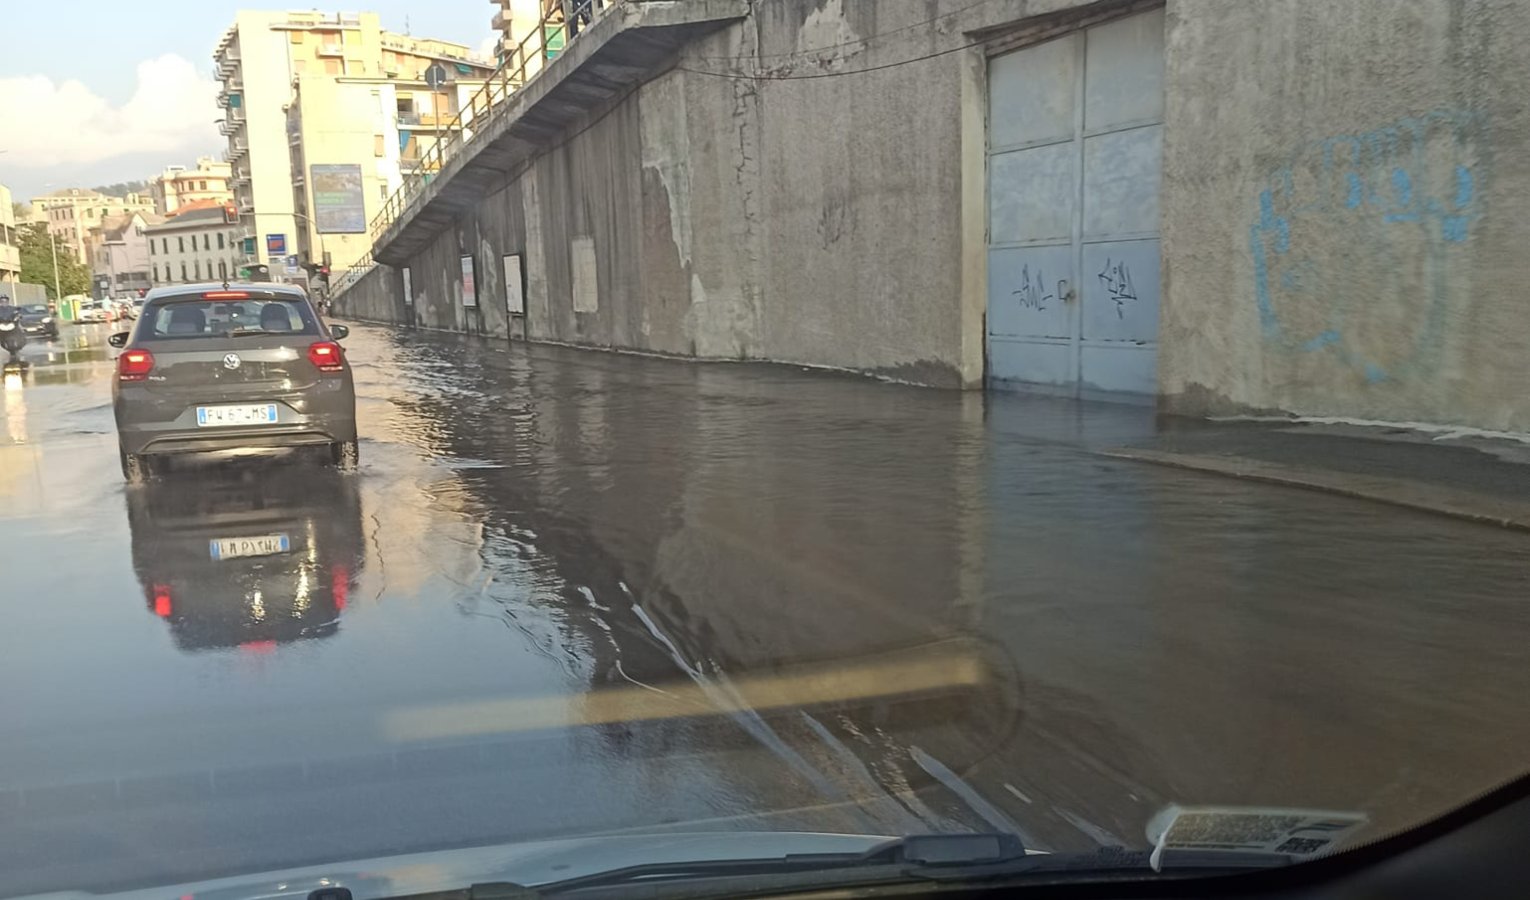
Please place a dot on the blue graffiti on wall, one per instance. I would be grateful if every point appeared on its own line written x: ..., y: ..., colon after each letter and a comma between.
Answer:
x: 1376, y: 218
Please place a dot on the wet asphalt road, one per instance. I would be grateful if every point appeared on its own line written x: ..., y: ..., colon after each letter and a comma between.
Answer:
x: 573, y: 593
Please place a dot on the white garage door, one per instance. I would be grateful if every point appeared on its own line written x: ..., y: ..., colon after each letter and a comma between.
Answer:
x: 1075, y: 135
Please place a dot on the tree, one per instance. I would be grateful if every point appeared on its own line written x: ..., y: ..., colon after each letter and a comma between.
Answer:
x: 123, y: 188
x: 37, y: 263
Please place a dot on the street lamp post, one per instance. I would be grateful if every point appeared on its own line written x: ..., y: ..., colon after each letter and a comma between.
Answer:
x: 58, y: 292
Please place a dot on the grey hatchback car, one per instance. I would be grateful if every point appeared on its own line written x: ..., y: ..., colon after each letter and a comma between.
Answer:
x: 231, y: 370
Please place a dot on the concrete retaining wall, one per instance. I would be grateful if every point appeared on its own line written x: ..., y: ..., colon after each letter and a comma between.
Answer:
x: 785, y: 217
x: 1344, y: 192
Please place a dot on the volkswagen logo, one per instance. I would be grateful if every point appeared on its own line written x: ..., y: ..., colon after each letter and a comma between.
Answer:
x: 231, y: 361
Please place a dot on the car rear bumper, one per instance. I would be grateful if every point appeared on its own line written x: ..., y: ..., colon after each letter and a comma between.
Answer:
x: 144, y: 428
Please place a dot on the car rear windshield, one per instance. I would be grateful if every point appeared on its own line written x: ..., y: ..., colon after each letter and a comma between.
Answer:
x: 198, y: 316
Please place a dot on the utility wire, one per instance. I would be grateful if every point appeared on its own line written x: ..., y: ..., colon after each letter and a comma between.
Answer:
x: 742, y: 76
x: 868, y: 38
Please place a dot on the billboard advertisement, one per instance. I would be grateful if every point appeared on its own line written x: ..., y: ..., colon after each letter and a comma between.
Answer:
x: 338, y: 205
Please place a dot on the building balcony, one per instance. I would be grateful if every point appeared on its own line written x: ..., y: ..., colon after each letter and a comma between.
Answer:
x: 331, y: 50
x: 427, y: 120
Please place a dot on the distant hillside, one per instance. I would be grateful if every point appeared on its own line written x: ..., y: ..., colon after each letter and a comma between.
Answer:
x: 122, y: 188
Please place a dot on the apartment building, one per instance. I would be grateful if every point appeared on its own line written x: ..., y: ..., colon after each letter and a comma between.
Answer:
x: 178, y: 186
x: 73, y: 213
x: 10, y: 240
x: 516, y: 20
x: 196, y: 244
x: 258, y: 59
x: 120, y: 254
x: 351, y: 141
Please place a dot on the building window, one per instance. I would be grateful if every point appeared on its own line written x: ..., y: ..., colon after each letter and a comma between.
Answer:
x: 297, y: 37
x: 201, y: 185
x: 220, y: 240
x: 183, y: 272
x: 379, y: 146
x: 196, y: 268
x: 222, y: 270
x: 207, y: 245
x: 180, y: 241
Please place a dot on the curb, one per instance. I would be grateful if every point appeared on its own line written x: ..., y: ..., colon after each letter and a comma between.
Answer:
x: 1445, y: 501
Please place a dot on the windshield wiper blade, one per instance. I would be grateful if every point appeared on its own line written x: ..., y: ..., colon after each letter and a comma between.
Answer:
x: 892, y: 860
x: 951, y: 858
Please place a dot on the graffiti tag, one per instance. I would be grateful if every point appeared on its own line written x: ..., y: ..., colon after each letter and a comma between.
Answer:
x: 1116, y: 278
x: 1356, y: 226
x: 1033, y: 295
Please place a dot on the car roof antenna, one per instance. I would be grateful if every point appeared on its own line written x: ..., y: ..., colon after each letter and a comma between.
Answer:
x: 225, y: 284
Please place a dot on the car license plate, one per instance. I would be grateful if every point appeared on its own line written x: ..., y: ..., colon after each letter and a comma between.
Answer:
x: 262, y: 545
x: 252, y: 414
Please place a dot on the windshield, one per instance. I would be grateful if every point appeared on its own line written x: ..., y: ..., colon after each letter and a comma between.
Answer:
x: 181, y: 317
x: 604, y: 433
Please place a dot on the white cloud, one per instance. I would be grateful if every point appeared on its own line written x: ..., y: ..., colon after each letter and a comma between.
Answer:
x: 46, y: 124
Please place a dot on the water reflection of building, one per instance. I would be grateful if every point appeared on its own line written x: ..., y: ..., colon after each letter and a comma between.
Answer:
x: 711, y: 554
x: 245, y: 558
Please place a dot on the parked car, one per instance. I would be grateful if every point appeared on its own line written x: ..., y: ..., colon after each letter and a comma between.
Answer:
x: 94, y: 311
x: 37, y: 319
x: 231, y: 370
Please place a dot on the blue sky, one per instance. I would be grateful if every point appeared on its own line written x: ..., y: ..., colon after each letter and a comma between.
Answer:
x: 98, y: 91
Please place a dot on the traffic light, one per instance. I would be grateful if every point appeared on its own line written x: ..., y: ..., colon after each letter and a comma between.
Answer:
x: 324, y: 274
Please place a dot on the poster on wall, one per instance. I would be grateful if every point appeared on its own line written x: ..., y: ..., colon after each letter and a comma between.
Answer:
x: 469, y: 288
x: 515, y: 297
x: 338, y: 204
x: 408, y: 289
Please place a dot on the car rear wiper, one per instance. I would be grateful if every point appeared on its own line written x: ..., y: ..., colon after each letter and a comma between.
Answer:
x: 947, y: 858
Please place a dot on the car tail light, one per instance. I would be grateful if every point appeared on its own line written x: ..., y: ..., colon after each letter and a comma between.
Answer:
x: 225, y: 295
x: 162, y: 605
x: 340, y: 586
x: 134, y: 365
x: 326, y: 356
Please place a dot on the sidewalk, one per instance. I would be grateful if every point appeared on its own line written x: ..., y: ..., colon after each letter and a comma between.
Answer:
x: 1477, y: 478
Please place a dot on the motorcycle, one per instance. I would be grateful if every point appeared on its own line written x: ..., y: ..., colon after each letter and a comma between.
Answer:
x: 12, y: 335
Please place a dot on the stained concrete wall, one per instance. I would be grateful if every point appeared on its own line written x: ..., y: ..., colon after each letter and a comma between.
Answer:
x: 1343, y: 198
x: 810, y: 212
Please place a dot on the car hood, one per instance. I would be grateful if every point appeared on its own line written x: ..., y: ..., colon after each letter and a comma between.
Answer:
x: 527, y: 864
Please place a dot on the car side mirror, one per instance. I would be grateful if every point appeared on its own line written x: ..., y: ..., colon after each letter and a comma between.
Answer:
x: 339, y: 332
x: 120, y: 339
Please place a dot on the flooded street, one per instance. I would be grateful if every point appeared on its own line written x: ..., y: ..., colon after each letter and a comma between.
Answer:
x: 572, y: 593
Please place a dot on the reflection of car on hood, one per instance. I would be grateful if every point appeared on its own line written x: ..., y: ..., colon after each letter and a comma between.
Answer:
x: 240, y: 558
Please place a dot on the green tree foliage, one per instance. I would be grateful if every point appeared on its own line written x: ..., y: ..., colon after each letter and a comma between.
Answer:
x: 37, y: 263
x: 123, y: 188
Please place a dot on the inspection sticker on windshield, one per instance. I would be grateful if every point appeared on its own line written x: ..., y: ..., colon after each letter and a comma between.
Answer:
x: 262, y: 545
x: 1296, y: 833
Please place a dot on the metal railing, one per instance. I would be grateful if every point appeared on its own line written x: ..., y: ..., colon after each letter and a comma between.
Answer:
x: 553, y: 34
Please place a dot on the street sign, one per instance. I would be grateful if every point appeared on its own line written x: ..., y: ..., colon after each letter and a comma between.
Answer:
x: 276, y: 245
x: 435, y: 76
